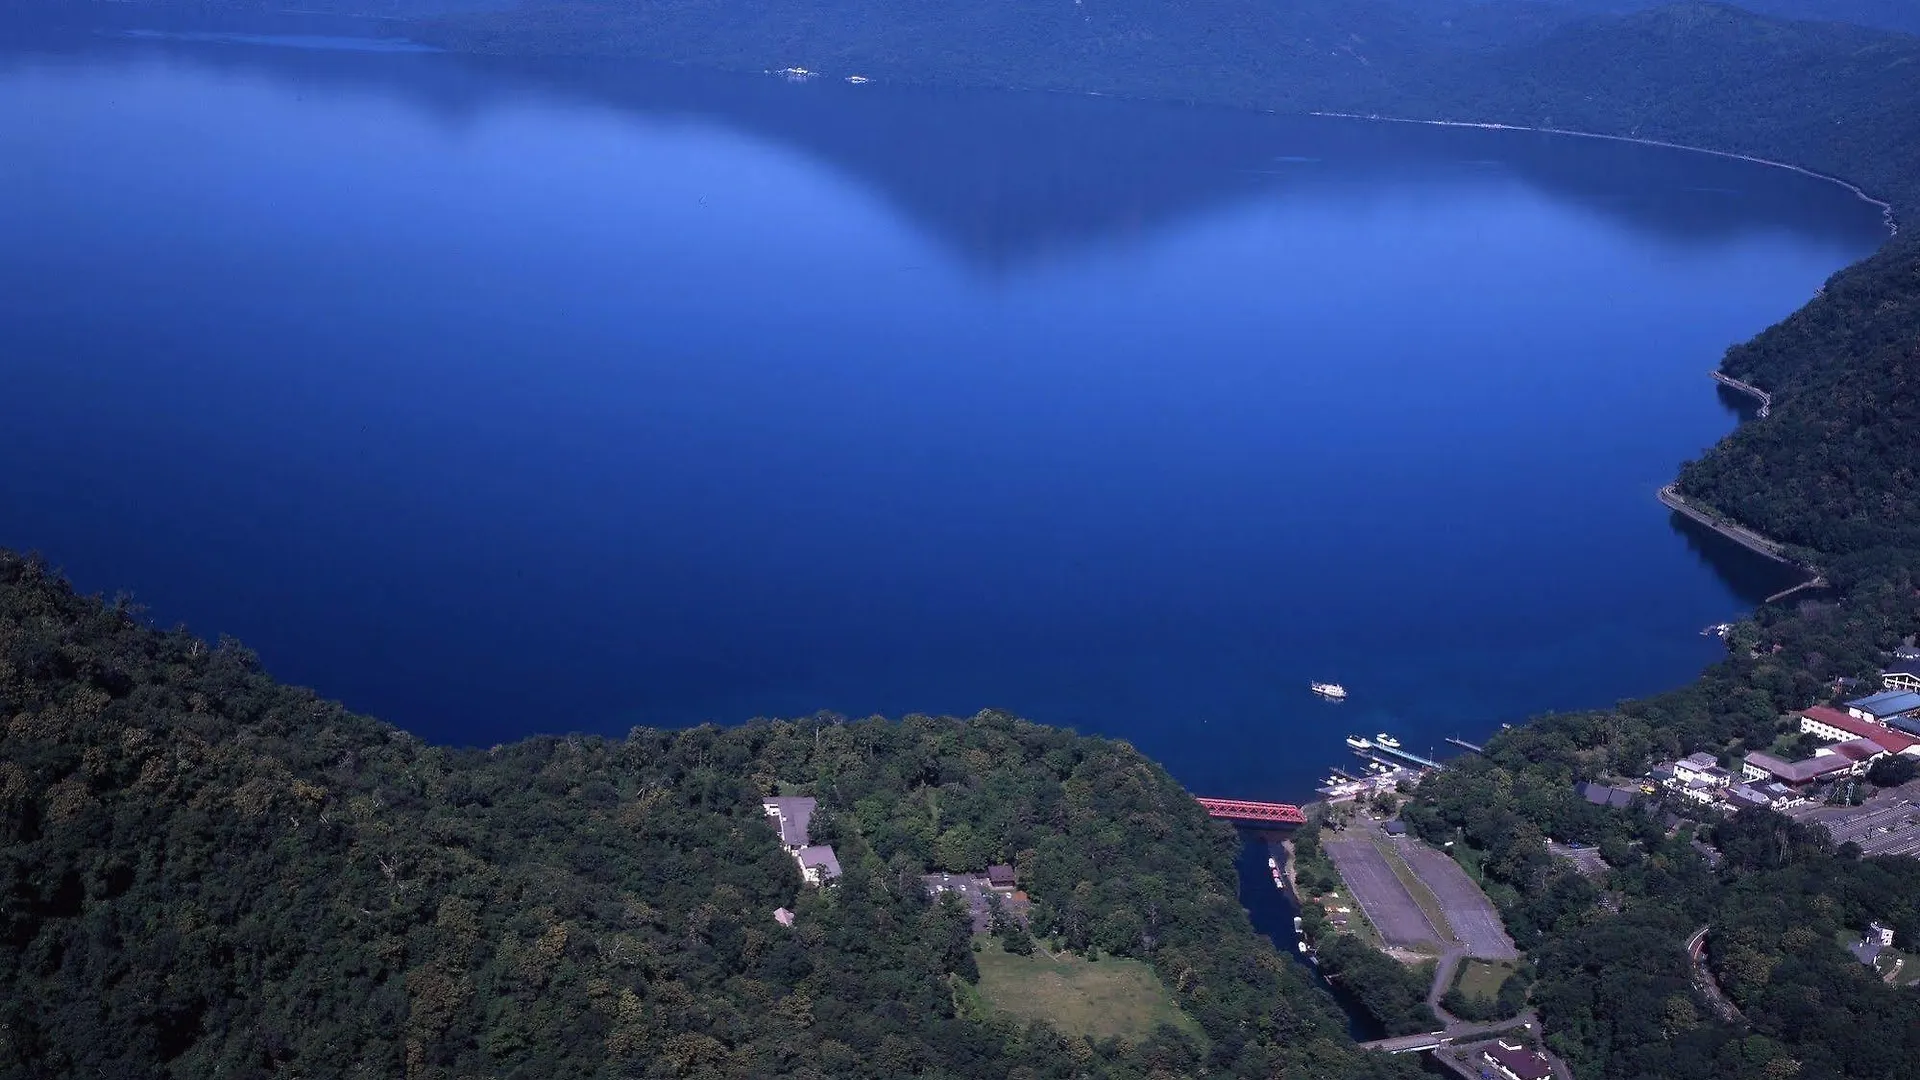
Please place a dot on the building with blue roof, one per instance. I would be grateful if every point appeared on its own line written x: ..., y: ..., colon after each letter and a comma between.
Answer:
x: 1879, y: 707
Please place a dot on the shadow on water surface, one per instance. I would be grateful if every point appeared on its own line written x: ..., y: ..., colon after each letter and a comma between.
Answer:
x: 1002, y: 178
x: 1748, y: 575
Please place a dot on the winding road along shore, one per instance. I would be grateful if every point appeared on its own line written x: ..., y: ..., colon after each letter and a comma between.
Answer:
x: 1886, y: 208
x: 1745, y: 537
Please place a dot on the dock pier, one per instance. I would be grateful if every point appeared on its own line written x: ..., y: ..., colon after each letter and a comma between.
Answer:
x: 1818, y: 582
x: 1465, y: 745
x: 1408, y: 756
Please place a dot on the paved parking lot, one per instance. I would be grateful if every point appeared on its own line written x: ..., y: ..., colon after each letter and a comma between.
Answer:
x: 1889, y: 827
x: 1471, y: 916
x: 1386, y: 902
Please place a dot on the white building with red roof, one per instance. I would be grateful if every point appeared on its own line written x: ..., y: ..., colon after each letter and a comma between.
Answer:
x: 1836, y: 726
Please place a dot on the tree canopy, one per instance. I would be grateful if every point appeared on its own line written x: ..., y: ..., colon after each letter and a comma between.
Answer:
x: 204, y: 872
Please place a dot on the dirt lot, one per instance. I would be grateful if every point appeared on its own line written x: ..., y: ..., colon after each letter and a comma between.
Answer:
x: 1469, y: 913
x: 1379, y: 893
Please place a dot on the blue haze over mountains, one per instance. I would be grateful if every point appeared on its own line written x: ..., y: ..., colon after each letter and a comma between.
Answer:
x: 509, y: 396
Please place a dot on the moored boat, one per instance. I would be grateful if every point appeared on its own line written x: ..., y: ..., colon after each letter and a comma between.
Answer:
x: 1386, y: 740
x: 1358, y: 743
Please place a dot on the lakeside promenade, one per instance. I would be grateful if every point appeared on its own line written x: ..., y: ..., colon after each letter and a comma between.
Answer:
x: 1670, y: 496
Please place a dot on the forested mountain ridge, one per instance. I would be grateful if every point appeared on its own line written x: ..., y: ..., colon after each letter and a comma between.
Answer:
x: 204, y: 872
x: 1834, y: 467
x: 1829, y: 96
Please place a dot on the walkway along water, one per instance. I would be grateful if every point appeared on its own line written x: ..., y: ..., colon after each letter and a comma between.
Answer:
x: 1765, y: 399
x: 1886, y: 208
x: 1746, y: 538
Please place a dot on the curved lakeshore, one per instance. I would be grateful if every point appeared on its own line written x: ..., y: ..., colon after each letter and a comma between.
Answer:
x: 1886, y: 208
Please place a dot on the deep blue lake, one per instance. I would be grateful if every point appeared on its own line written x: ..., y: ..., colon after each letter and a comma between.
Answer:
x: 497, y: 399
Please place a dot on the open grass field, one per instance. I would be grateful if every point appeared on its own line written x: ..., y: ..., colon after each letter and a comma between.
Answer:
x: 1095, y: 998
x: 1481, y: 979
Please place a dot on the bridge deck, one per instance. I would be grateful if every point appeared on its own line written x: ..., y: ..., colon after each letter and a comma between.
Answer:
x: 1262, y: 812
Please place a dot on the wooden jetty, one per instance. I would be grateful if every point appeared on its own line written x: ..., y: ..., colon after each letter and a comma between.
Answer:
x: 1465, y: 745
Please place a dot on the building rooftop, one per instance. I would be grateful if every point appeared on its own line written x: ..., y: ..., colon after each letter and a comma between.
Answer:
x: 1887, y: 703
x: 1799, y: 772
x: 1000, y: 875
x: 1518, y: 1060
x: 794, y: 812
x: 821, y: 856
x: 1856, y: 749
x: 1701, y: 760
x: 1895, y: 742
x: 1604, y: 795
x: 1903, y: 667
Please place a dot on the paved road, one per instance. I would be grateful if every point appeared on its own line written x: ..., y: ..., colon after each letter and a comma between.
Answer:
x: 1468, y: 912
x: 1703, y: 979
x: 1452, y: 1033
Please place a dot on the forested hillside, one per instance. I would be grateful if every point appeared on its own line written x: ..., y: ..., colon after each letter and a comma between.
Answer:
x: 206, y: 873
x: 1836, y: 465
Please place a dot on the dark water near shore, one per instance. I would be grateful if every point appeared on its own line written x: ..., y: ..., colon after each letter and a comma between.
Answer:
x: 497, y: 399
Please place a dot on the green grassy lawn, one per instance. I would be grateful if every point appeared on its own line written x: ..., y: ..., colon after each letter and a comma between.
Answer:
x: 1482, y: 978
x: 1095, y: 998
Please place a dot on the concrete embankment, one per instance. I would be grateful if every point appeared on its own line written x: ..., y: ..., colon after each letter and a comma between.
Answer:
x: 1746, y: 538
x: 1765, y: 399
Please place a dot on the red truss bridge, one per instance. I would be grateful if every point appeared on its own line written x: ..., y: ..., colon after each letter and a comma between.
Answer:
x: 1257, y: 813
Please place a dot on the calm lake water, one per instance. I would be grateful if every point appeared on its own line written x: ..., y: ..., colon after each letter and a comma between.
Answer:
x: 493, y: 399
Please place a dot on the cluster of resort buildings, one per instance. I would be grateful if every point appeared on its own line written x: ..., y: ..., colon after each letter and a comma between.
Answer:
x: 1853, y: 740
x: 1867, y: 729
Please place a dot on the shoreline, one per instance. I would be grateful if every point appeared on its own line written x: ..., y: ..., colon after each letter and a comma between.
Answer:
x: 1757, y: 543
x: 1887, y: 216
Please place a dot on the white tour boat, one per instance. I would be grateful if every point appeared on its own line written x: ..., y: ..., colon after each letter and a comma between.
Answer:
x: 1387, y: 741
x: 1332, y: 691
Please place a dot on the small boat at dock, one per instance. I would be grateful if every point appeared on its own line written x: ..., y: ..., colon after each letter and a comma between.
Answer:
x: 1386, y: 740
x: 1358, y: 743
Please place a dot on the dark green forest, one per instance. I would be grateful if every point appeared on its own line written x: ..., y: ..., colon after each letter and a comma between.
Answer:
x: 204, y: 872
